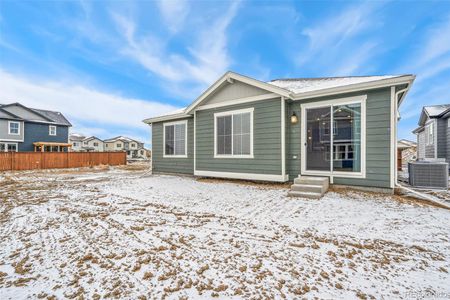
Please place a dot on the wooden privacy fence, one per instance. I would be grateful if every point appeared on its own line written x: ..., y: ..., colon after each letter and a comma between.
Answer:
x: 59, y: 160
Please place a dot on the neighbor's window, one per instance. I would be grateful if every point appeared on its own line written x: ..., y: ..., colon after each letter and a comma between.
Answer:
x: 175, y: 144
x: 119, y: 145
x: 75, y: 144
x: 133, y: 145
x: 14, y: 128
x: 430, y: 134
x: 234, y: 133
x: 95, y: 144
x: 52, y: 130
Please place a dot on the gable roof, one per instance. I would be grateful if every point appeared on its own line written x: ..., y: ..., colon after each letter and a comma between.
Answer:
x: 295, y: 88
x: 432, y: 112
x: 53, y: 117
x: 87, y: 139
x: 121, y: 138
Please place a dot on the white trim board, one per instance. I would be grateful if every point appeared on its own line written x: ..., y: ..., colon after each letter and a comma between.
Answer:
x: 338, y: 101
x: 185, y: 122
x: 243, y: 176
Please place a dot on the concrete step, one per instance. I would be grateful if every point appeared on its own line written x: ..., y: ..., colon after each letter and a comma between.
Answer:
x: 312, y: 180
x: 310, y: 188
x: 304, y: 195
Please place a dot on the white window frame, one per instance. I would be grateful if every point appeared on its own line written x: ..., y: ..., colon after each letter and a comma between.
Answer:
x: 231, y: 113
x: 9, y: 128
x: 185, y: 122
x: 338, y: 101
x: 50, y: 129
x: 6, y: 146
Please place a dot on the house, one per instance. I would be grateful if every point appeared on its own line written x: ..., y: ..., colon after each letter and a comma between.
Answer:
x: 81, y: 143
x: 134, y: 149
x: 406, y: 152
x: 433, y: 133
x: 342, y: 128
x: 30, y: 129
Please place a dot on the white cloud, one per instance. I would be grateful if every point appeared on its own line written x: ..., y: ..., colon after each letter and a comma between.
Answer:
x: 208, y: 54
x: 174, y: 13
x: 437, y: 43
x: 81, y: 104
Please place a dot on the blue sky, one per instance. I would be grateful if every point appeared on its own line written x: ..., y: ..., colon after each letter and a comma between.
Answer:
x: 108, y: 65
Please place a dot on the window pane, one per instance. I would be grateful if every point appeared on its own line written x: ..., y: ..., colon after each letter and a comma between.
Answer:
x: 169, y: 137
x: 237, y: 124
x: 246, y: 123
x: 223, y: 135
x: 347, y: 139
x: 246, y: 144
x: 180, y: 139
x: 237, y: 145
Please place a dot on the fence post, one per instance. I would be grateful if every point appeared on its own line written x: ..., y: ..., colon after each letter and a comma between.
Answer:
x: 12, y: 160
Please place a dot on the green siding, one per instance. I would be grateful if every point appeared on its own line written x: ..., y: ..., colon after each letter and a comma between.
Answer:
x: 172, y: 165
x: 266, y: 140
x: 377, y: 139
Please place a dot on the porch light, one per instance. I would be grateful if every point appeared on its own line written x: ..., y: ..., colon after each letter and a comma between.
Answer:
x: 294, y: 118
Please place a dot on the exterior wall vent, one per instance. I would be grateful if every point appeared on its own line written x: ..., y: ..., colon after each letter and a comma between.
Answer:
x: 428, y: 174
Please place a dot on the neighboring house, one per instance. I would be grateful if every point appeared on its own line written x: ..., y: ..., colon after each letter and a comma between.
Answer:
x: 76, y: 140
x: 340, y: 127
x: 407, y: 152
x: 433, y: 133
x: 80, y: 143
x: 134, y: 149
x: 29, y: 129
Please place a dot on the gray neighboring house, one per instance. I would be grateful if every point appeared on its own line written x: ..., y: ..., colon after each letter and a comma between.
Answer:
x: 30, y: 129
x: 433, y: 133
x: 344, y: 128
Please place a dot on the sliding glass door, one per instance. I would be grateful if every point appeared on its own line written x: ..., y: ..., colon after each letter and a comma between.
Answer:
x: 333, y: 138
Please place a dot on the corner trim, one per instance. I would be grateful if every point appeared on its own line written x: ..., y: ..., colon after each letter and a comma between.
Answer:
x: 244, y: 176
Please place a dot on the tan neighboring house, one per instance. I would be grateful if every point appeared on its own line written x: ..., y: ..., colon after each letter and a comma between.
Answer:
x: 134, y: 148
x: 80, y: 143
x: 407, y: 152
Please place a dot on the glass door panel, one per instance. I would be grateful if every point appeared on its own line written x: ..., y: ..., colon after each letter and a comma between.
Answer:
x: 318, y: 138
x: 347, y: 138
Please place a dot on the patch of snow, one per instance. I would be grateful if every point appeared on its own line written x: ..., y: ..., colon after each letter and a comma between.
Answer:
x: 303, y: 85
x: 126, y: 234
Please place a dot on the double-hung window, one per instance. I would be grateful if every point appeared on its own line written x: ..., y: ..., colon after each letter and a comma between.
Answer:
x: 175, y: 139
x: 233, y: 134
x: 52, y: 130
x: 14, y: 128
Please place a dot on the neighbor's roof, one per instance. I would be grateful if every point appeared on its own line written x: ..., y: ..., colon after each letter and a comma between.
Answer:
x: 437, y: 110
x: 120, y: 138
x: 404, y: 144
x: 303, y: 85
x: 52, y: 116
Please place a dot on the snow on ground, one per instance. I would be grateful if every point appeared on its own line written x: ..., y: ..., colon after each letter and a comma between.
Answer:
x: 124, y: 233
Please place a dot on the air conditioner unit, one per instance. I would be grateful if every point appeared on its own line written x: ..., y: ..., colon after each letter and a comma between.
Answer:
x: 428, y: 174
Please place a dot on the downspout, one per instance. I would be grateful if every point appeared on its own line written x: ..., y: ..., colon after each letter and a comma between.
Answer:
x: 397, y: 103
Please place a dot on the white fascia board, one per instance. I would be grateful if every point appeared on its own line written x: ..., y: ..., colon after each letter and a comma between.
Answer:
x: 356, y: 87
x: 229, y: 77
x: 166, y: 118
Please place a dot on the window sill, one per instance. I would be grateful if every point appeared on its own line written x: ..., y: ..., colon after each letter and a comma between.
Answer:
x: 174, y: 156
x: 234, y: 156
